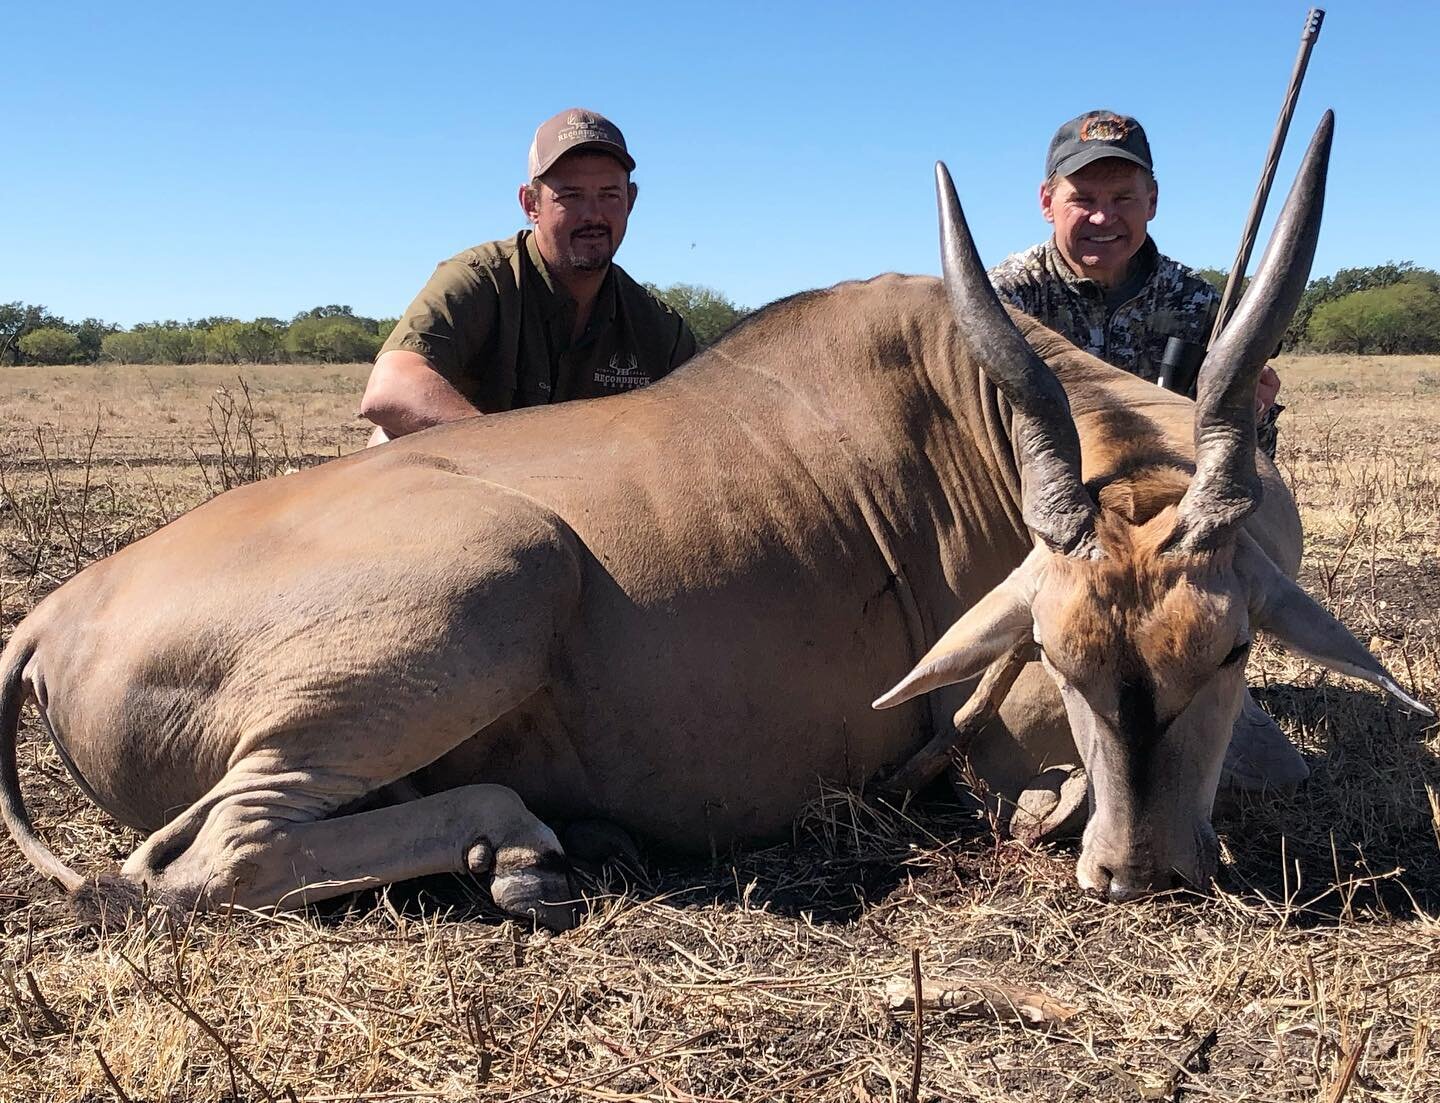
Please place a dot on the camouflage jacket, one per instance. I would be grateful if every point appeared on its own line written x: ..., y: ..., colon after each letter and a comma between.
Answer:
x: 1172, y: 302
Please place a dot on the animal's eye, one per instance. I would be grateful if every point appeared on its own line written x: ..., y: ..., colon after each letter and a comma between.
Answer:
x: 1238, y: 652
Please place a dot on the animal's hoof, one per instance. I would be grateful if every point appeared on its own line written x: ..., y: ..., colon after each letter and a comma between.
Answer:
x: 480, y: 858
x: 1052, y: 805
x: 539, y: 889
x: 1260, y: 756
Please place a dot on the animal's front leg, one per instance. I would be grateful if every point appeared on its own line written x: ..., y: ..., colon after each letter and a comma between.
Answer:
x: 1260, y: 756
x: 485, y: 830
x: 251, y: 851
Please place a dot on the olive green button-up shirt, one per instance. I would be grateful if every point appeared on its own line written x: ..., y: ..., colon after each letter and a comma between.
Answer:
x: 498, y: 328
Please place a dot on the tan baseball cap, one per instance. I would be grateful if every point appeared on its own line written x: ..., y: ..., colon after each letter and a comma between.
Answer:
x: 573, y: 130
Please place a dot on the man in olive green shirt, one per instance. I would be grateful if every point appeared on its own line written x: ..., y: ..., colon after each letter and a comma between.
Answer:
x: 543, y: 317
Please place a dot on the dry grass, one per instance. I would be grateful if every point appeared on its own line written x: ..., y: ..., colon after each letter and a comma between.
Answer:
x: 1313, y: 973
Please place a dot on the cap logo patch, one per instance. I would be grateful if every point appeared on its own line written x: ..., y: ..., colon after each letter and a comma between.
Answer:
x: 1105, y: 128
x: 581, y: 126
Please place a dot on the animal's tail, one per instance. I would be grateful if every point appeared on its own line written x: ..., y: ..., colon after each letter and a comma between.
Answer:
x: 13, y: 692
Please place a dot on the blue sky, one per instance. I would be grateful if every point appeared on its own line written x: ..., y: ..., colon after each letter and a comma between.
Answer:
x: 184, y: 160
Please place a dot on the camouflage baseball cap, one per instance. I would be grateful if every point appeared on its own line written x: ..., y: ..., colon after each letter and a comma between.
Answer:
x: 573, y: 130
x: 1094, y: 136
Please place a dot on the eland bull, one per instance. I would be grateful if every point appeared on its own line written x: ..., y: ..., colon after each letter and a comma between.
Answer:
x: 668, y: 610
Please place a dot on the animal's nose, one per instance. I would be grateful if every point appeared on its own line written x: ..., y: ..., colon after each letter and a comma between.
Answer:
x: 1124, y: 885
x: 1122, y: 892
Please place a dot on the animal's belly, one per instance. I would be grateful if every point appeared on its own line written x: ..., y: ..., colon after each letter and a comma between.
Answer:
x: 719, y: 668
x: 691, y: 758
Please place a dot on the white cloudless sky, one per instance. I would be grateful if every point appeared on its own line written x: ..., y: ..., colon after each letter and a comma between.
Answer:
x: 187, y: 160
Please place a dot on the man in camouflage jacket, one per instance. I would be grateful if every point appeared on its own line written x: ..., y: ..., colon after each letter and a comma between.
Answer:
x: 1100, y: 281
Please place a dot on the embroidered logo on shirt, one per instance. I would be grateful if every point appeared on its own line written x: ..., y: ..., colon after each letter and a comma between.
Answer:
x: 622, y: 374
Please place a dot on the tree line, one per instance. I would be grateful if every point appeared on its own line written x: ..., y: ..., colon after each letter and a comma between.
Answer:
x: 1383, y: 309
x: 334, y: 334
x: 1386, y: 308
x: 324, y: 334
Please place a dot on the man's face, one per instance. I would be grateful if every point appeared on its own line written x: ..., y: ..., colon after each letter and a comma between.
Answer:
x: 579, y: 210
x: 1100, y: 214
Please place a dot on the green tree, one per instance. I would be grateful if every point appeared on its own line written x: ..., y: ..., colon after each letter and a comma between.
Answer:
x: 1400, y: 317
x: 708, y: 312
x: 331, y: 311
x: 332, y: 339
x: 210, y: 322
x: 1344, y: 282
x: 220, y: 344
x: 1340, y: 326
x: 16, y: 320
x: 175, y: 343
x: 260, y: 341
x: 1215, y: 277
x: 50, y: 345
x: 128, y: 347
x: 342, y: 343
x: 91, y: 334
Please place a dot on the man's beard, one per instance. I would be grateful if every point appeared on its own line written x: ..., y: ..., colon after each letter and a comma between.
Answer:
x: 592, y: 254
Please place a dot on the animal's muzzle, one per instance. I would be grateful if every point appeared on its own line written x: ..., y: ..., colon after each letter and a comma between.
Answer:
x: 1136, y: 876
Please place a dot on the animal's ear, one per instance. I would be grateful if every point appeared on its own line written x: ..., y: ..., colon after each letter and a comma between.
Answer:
x: 1279, y: 606
x: 991, y: 628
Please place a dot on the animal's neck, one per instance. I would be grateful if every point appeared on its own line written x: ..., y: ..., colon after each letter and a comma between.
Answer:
x: 875, y: 401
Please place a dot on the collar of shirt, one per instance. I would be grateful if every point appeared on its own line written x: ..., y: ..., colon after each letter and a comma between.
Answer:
x: 558, y: 308
x: 1145, y: 261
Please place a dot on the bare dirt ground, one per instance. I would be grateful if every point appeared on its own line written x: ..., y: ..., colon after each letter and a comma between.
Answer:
x: 1312, y: 972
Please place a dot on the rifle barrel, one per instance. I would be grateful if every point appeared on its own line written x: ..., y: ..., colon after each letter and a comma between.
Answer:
x: 1231, y: 296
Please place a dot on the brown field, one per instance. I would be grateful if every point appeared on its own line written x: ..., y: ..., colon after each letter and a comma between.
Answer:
x: 1312, y: 972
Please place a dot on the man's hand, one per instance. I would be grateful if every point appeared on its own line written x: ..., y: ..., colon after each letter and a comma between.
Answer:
x: 1266, y: 388
x: 405, y: 394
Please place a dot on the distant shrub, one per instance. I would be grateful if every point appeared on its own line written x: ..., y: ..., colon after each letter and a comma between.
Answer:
x: 705, y: 310
x: 332, y: 340
x: 180, y: 345
x: 1345, y: 282
x: 243, y: 342
x: 136, y: 346
x: 51, y: 346
x: 1401, y: 317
